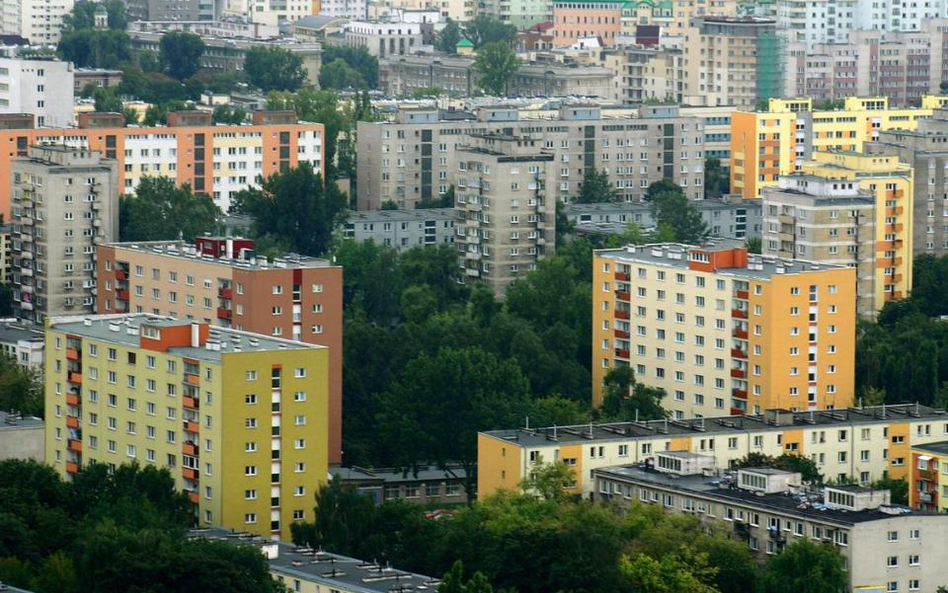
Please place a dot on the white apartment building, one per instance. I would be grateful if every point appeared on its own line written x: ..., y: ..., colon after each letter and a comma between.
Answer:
x: 344, y: 9
x: 40, y: 21
x: 43, y: 88
x: 897, y: 15
x: 823, y: 21
x: 385, y: 38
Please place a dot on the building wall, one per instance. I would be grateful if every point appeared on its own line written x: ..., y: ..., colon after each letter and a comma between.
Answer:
x: 41, y: 87
x: 502, y: 466
x: 40, y: 21
x: 573, y: 21
x: 22, y: 442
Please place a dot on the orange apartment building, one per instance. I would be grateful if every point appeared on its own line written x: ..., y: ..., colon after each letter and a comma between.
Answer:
x: 218, y: 160
x: 219, y: 281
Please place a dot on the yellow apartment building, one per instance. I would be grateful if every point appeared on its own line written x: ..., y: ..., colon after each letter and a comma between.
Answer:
x: 767, y: 144
x: 239, y: 419
x: 861, y: 444
x: 891, y: 183
x: 723, y: 332
x: 928, y: 477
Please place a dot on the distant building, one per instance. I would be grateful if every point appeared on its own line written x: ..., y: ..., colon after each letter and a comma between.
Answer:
x: 22, y: 437
x: 43, y: 88
x: 39, y: 21
x: 384, y: 39
x: 926, y: 488
x: 100, y: 77
x: 402, y: 229
x: 730, y: 219
x: 519, y: 13
x: 170, y: 10
x: 885, y: 547
x: 356, y: 10
x: 23, y: 342
x: 427, y: 486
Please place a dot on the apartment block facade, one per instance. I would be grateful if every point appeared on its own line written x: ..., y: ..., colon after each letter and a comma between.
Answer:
x: 736, y: 219
x: 884, y: 546
x: 41, y: 87
x: 925, y: 150
x: 861, y: 444
x: 236, y: 417
x: 767, y: 144
x: 217, y: 282
x: 39, y: 21
x: 65, y: 202
x: 402, y: 229
x: 584, y: 19
x: 415, y: 156
x: 218, y: 160
x: 723, y: 332
x: 928, y: 477
x: 504, y: 215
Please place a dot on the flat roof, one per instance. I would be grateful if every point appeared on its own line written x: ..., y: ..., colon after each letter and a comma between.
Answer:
x: 776, y: 420
x: 188, y: 252
x: 328, y: 569
x: 15, y: 331
x: 723, y: 488
x: 941, y: 447
x: 658, y: 254
x: 418, y: 214
x: 388, y: 474
x: 620, y: 207
x: 9, y: 421
x: 124, y: 330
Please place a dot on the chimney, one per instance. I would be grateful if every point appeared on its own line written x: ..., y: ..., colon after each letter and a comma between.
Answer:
x: 195, y: 335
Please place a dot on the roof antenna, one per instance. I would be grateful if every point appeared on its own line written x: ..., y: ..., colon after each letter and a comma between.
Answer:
x: 554, y: 432
x: 527, y: 427
x: 590, y: 429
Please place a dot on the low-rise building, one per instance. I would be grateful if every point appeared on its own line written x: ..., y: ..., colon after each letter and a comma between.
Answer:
x: 223, y: 29
x: 727, y: 218
x: 22, y: 437
x: 846, y: 444
x: 100, y: 77
x: 885, y: 547
x: 239, y: 419
x: 22, y: 342
x: 402, y: 229
x: 384, y: 39
x: 426, y: 485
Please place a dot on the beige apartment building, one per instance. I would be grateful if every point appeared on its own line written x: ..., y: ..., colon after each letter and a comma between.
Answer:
x: 722, y: 331
x: 504, y: 214
x: 65, y: 202
x: 415, y: 156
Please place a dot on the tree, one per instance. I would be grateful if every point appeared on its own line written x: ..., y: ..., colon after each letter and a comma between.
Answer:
x: 485, y: 29
x: 495, y: 64
x: 433, y: 412
x: 596, y: 188
x: 716, y: 182
x: 339, y: 75
x: 159, y: 210
x: 753, y: 245
x: 672, y: 209
x: 274, y: 69
x: 180, y: 54
x: 226, y: 114
x: 453, y: 581
x: 665, y: 575
x: 83, y: 15
x: 21, y: 389
x: 447, y: 38
x: 805, y: 566
x: 358, y: 58
x: 108, y: 101
x: 295, y: 206
x: 389, y: 205
x: 91, y: 48
x: 788, y: 462
x: 549, y: 480
x: 625, y: 399
x: 898, y: 489
x: 321, y: 106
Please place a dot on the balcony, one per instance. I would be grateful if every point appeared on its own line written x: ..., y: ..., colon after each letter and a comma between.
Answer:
x: 739, y: 373
x: 739, y: 393
x: 740, y: 334
x: 741, y: 294
x: 189, y: 449
x: 191, y: 426
x: 72, y: 399
x: 622, y: 334
x: 894, y: 211
x: 194, y: 497
x: 74, y: 377
x: 191, y: 379
x: 623, y: 276
x: 72, y: 354
x: 72, y: 467
x: 223, y: 313
x: 737, y: 412
x: 623, y: 296
x: 72, y: 422
x: 893, y: 228
x: 621, y: 314
x: 738, y: 353
x: 893, y: 278
x: 121, y: 295
x: 189, y: 473
x: 74, y: 445
x: 121, y: 274
x: 189, y: 402
x: 621, y: 353
x: 739, y: 313
x: 226, y: 293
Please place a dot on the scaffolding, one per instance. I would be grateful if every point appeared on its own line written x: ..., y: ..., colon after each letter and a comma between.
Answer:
x: 770, y: 67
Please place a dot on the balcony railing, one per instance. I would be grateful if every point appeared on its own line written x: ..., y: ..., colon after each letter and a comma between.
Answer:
x: 73, y: 399
x: 121, y: 295
x: 72, y: 467
x: 739, y: 373
x: 621, y: 334
x: 621, y: 314
x: 189, y: 449
x: 72, y: 354
x: 739, y: 393
x: 189, y: 402
x: 623, y: 276
x: 191, y: 379
x: 189, y: 473
x: 623, y: 296
x: 72, y: 422
x: 740, y: 333
x: 739, y: 313
x: 223, y: 313
x: 738, y: 353
x: 741, y: 294
x: 74, y: 445
x: 74, y: 377
x: 226, y: 293
x: 622, y: 353
x: 191, y: 426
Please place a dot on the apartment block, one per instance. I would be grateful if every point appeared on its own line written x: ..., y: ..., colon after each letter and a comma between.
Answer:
x: 925, y: 150
x: 220, y: 281
x: 812, y: 23
x: 724, y: 332
x: 902, y: 66
x: 39, y: 21
x: 861, y: 444
x: 415, y: 156
x: 383, y: 39
x: 22, y: 342
x: 21, y: 438
x: 218, y: 160
x: 43, y: 88
x: 573, y: 21
x: 928, y: 477
x: 65, y: 202
x: 884, y: 546
x: 767, y: 144
x: 236, y: 417
x: 402, y: 229
x: 727, y: 218
x: 504, y: 217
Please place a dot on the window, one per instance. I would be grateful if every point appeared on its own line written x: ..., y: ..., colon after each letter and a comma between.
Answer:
x: 892, y: 536
x: 250, y: 470
x: 250, y: 518
x: 892, y: 562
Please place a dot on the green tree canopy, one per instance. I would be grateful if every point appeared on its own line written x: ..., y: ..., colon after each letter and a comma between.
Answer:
x: 91, y: 48
x: 339, y: 75
x: 227, y: 114
x: 495, y: 63
x: 357, y: 58
x: 486, y: 29
x: 787, y: 462
x: 274, y: 69
x: 295, y: 207
x: 447, y: 38
x: 319, y: 106
x: 180, y: 54
x: 549, y: 480
x: 159, y: 210
x: 716, y: 180
x: 805, y: 566
x: 672, y: 209
x: 596, y: 188
x: 625, y: 399
x: 21, y: 389
x: 82, y: 15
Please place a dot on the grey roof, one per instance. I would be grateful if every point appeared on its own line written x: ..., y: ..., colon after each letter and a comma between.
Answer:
x: 10, y: 422
x: 777, y: 420
x: 330, y: 570
x: 14, y: 331
x: 318, y: 21
x: 125, y: 329
x: 941, y: 447
x: 393, y: 475
x: 809, y: 506
x: 186, y: 251
x: 418, y: 214
x: 628, y: 207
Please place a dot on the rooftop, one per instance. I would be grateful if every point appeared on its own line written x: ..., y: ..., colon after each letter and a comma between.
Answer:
x: 722, y: 486
x: 14, y: 330
x: 675, y: 255
x: 939, y: 448
x: 9, y: 421
x: 419, y: 215
x: 777, y: 420
x: 185, y: 251
x: 125, y: 330
x: 628, y: 207
x: 387, y: 474
x: 330, y: 570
